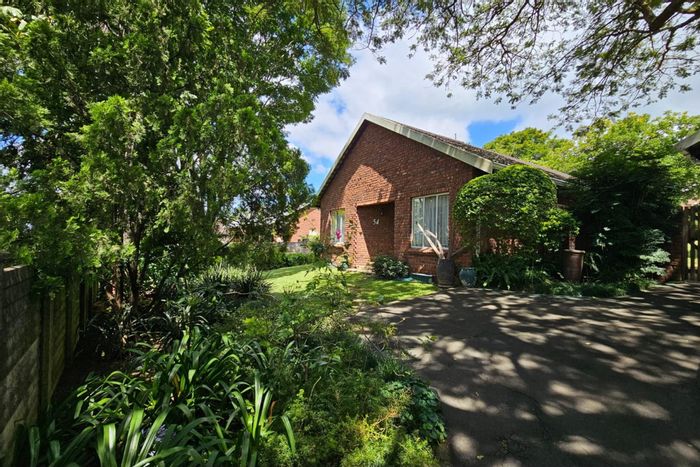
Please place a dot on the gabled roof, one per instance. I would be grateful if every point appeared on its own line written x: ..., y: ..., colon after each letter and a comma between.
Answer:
x: 484, y: 160
x: 691, y: 145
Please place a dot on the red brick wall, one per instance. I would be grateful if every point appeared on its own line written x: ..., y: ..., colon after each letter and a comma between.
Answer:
x: 375, y: 234
x: 309, y: 220
x: 385, y: 167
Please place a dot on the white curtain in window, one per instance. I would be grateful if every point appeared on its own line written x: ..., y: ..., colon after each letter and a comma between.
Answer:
x: 432, y: 212
x: 430, y: 215
x: 417, y: 216
x: 443, y: 220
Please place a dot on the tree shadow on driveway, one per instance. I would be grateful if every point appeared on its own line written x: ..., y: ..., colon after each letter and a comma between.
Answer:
x: 542, y: 380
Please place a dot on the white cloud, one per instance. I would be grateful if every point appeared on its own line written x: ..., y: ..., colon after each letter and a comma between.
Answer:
x: 399, y: 90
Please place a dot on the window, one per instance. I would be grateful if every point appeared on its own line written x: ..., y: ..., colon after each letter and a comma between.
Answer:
x: 432, y: 213
x: 338, y: 226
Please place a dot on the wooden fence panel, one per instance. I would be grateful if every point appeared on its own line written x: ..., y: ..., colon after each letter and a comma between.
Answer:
x: 38, y: 335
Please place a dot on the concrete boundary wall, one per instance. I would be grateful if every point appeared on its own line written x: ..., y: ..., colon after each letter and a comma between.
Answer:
x: 38, y: 336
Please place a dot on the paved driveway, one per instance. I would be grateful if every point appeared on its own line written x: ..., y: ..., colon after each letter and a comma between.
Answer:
x: 547, y: 381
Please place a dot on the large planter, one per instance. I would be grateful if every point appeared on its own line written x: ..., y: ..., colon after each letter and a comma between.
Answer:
x: 467, y: 276
x: 445, y: 273
x: 573, y: 264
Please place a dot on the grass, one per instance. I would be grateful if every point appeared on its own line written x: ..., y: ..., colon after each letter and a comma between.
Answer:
x: 364, y: 286
x: 291, y: 279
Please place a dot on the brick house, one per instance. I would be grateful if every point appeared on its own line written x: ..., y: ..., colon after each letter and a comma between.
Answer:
x: 388, y: 178
x: 308, y: 225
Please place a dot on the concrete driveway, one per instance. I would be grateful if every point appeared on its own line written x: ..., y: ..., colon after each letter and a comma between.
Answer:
x: 552, y: 381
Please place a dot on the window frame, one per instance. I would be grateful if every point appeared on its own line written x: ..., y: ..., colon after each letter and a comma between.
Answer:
x: 334, y: 226
x: 425, y: 243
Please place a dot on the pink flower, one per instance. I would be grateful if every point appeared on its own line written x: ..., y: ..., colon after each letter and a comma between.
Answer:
x: 338, y: 234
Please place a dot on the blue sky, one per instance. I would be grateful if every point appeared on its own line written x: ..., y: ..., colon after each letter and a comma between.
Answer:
x: 483, y: 131
x: 398, y: 90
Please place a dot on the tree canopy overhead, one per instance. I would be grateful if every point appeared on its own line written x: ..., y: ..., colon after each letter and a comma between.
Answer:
x: 132, y: 133
x: 602, y: 57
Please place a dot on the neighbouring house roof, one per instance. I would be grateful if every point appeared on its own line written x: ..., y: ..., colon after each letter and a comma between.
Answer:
x: 691, y: 145
x: 483, y: 159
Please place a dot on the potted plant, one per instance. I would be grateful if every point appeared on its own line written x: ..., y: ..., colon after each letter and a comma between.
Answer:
x: 467, y: 276
x: 445, y: 265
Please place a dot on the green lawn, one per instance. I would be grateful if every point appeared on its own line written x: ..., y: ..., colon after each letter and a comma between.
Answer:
x: 363, y: 286
x: 291, y: 279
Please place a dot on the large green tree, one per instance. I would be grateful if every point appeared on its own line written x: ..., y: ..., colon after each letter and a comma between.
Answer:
x: 601, y: 56
x: 532, y: 144
x: 134, y: 133
x: 629, y: 189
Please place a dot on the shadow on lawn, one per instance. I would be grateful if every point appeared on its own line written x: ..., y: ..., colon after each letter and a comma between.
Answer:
x: 561, y: 381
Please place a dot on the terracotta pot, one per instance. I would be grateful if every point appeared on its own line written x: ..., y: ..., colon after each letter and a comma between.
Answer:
x: 445, y: 273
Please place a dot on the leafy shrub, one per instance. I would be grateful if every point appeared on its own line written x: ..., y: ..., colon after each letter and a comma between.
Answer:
x: 231, y: 282
x: 297, y: 259
x: 109, y: 333
x: 628, y: 192
x: 557, y: 226
x: 508, y: 206
x: 591, y: 288
x: 318, y: 247
x: 258, y: 255
x: 422, y: 412
x: 388, y: 267
x: 266, y: 256
x: 517, y: 273
x: 202, y: 301
x: 504, y: 271
x: 601, y: 289
x: 416, y: 452
x: 188, y: 405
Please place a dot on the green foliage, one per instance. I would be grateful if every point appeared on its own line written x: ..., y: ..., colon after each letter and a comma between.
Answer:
x: 202, y: 301
x: 508, y: 206
x: 318, y: 247
x: 532, y: 144
x: 281, y: 381
x: 388, y: 267
x: 189, y: 405
x: 297, y: 259
x: 422, y: 414
x: 590, y: 288
x: 505, y: 271
x: 558, y: 226
x: 134, y: 134
x: 266, y: 255
x: 629, y: 191
x: 517, y: 273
